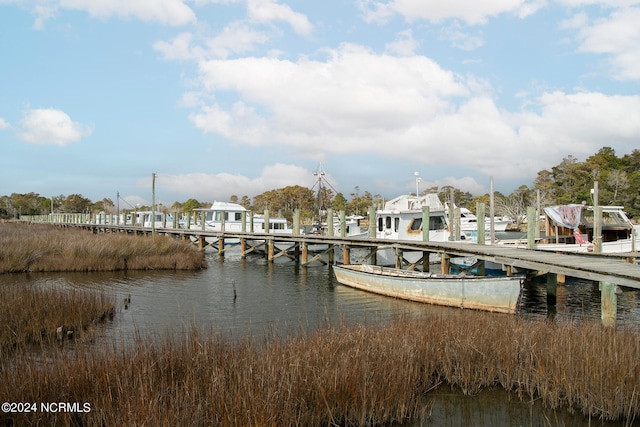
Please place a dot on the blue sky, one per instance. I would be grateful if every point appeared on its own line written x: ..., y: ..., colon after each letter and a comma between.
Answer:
x: 236, y: 97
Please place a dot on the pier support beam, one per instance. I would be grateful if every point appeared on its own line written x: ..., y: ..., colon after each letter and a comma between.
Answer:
x: 608, y: 304
x: 552, y: 289
x: 445, y: 264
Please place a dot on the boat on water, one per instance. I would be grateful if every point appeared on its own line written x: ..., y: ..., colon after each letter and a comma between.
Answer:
x: 490, y: 293
x: 469, y: 222
x: 401, y: 219
x: 144, y: 219
x: 227, y: 216
x: 570, y: 228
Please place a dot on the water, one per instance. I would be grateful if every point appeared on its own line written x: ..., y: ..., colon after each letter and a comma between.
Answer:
x: 252, y: 297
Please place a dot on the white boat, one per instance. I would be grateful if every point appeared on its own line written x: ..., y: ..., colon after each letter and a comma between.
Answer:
x: 469, y: 222
x: 227, y: 216
x: 143, y: 219
x: 401, y: 219
x: 569, y: 228
x: 497, y: 294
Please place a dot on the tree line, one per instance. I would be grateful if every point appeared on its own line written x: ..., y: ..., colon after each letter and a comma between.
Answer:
x: 570, y: 181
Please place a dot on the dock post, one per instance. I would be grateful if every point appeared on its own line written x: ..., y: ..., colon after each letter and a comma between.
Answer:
x: 372, y: 222
x: 346, y: 251
x: 221, y: 247
x: 330, y: 231
x: 296, y: 232
x: 552, y: 287
x: 445, y: 263
x: 305, y: 253
x: 608, y: 304
x: 343, y: 224
x: 243, y: 248
x: 398, y: 252
x: 480, y: 214
x: 270, y: 250
x: 532, y: 223
x: 243, y: 223
x: 201, y: 243
x: 456, y: 224
x: 426, y: 213
x: 267, y: 219
x: 251, y: 229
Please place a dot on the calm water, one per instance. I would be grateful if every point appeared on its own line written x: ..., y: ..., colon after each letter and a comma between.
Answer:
x: 252, y: 297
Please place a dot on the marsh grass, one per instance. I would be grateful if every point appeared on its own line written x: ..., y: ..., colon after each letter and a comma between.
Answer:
x: 339, y: 375
x: 38, y: 316
x: 38, y: 247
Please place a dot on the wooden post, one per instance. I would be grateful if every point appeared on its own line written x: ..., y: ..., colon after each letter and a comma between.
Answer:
x: 270, y: 249
x: 531, y: 227
x: 330, y: 231
x: 552, y: 289
x: 201, y: 243
x: 597, y: 229
x: 372, y: 222
x: 425, y: 236
x: 266, y: 221
x: 480, y: 214
x: 445, y: 263
x: 251, y: 228
x: 202, y: 220
x: 243, y: 248
x: 398, y: 257
x: 296, y: 222
x: 343, y: 224
x: 221, y: 247
x: 346, y: 251
x: 609, y: 301
x: 425, y: 223
x: 456, y: 224
x: 305, y: 253
x: 243, y: 223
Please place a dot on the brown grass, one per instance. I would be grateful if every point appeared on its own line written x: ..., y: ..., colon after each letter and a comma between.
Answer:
x: 36, y: 247
x: 345, y: 375
x: 41, y: 315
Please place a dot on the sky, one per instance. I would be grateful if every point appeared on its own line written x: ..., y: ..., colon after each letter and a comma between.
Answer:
x: 237, y: 97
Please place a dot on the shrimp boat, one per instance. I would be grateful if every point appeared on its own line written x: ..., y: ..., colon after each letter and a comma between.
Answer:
x: 496, y: 294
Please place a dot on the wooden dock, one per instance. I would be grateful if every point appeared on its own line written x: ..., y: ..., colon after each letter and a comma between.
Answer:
x: 609, y: 270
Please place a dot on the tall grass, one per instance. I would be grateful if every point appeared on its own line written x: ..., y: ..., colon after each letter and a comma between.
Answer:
x: 38, y: 247
x: 342, y: 375
x: 41, y: 315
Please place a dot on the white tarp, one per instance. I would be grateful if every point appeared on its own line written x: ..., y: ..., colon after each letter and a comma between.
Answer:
x: 567, y: 216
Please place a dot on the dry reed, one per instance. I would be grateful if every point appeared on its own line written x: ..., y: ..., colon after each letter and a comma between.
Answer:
x: 344, y: 375
x: 37, y: 247
x: 41, y: 315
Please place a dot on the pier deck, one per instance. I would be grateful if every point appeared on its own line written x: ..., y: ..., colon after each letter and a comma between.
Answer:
x: 618, y: 269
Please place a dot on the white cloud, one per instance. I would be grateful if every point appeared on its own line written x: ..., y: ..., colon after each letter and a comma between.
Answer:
x: 266, y: 11
x: 207, y: 187
x: 4, y: 124
x: 618, y: 36
x: 49, y: 126
x: 404, y: 108
x: 461, y: 39
x: 404, y: 45
x: 169, y: 12
x: 472, y: 13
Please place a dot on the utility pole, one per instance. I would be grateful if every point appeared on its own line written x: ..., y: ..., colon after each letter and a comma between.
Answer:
x: 153, y: 204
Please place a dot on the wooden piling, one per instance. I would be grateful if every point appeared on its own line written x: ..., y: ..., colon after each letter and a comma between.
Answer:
x: 609, y: 302
x: 552, y: 288
x: 532, y: 223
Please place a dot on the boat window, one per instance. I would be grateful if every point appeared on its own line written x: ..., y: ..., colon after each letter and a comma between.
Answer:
x: 416, y: 224
x: 238, y: 216
x: 387, y: 222
x: 396, y: 224
x: 380, y: 228
x: 209, y: 216
x: 436, y: 223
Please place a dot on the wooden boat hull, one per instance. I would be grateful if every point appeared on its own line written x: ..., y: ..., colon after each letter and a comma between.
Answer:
x: 496, y: 294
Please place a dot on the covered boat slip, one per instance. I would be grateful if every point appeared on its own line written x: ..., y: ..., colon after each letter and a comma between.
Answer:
x: 496, y: 294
